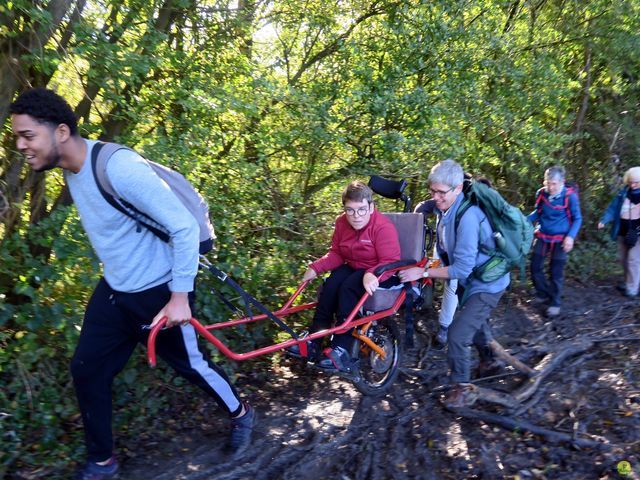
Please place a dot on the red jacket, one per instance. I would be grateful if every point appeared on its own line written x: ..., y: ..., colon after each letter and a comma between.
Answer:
x: 366, y: 249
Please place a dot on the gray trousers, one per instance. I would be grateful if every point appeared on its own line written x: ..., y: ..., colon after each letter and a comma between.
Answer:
x: 470, y: 326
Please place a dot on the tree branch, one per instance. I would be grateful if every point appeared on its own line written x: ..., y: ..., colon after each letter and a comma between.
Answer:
x: 516, y: 424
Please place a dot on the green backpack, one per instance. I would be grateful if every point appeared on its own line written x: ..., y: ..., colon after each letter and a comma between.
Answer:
x: 512, y: 232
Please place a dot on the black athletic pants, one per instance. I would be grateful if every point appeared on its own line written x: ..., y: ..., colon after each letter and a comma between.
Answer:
x: 340, y: 294
x: 113, y: 325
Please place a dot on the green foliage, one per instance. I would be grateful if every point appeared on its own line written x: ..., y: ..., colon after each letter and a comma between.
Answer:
x: 270, y: 110
x: 594, y: 260
x: 41, y: 315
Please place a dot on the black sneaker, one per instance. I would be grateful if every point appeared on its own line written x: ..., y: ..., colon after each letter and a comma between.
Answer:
x: 241, y: 430
x: 93, y: 471
x: 338, y: 360
x: 312, y: 351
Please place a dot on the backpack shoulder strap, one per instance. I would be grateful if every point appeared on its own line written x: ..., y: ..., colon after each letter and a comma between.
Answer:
x: 540, y: 198
x: 470, y: 199
x: 462, y: 209
x: 570, y: 190
x: 100, y: 155
x: 466, y: 203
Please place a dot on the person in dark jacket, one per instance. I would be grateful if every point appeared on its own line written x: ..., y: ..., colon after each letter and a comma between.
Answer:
x: 558, y: 216
x: 363, y: 240
x: 624, y: 212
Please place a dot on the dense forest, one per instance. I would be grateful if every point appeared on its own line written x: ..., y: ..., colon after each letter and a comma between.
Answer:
x: 269, y: 108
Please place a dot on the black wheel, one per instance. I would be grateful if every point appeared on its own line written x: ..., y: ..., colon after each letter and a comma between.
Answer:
x: 376, y: 373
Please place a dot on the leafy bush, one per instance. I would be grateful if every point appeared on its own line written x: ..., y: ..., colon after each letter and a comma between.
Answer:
x: 40, y: 423
x: 596, y: 259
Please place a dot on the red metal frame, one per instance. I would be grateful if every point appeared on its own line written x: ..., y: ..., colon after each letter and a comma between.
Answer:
x: 285, y: 310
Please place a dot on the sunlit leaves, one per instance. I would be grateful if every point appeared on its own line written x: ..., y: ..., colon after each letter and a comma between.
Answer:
x: 270, y: 110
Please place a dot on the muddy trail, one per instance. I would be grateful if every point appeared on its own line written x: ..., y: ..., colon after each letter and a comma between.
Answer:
x: 315, y: 426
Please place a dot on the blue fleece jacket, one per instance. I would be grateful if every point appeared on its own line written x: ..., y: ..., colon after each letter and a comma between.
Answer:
x: 463, y: 247
x: 612, y: 213
x: 553, y: 219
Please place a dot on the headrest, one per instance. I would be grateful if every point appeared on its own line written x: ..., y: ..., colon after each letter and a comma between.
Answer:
x: 387, y: 188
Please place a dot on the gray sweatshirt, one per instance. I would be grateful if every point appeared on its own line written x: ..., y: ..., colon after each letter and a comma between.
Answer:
x: 135, y: 261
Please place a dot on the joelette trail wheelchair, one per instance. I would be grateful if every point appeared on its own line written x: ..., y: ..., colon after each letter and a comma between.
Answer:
x: 378, y: 351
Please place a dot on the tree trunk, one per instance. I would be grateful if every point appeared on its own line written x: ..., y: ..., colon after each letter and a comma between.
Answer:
x: 12, y: 49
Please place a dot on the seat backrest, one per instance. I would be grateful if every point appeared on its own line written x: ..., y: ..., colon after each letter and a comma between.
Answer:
x: 410, y: 227
x: 411, y: 233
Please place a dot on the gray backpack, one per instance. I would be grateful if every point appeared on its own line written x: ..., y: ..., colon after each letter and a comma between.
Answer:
x: 179, y: 185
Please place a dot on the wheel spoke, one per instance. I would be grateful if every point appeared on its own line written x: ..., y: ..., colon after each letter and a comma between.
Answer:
x: 378, y: 373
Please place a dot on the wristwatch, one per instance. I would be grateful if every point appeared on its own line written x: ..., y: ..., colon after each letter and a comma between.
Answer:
x: 426, y: 273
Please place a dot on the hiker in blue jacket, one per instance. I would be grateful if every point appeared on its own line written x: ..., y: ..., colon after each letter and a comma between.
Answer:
x: 557, y: 213
x: 460, y: 251
x: 145, y: 279
x: 449, y: 303
x: 624, y: 212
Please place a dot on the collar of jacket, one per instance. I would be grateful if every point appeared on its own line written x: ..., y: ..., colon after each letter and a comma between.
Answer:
x: 450, y: 214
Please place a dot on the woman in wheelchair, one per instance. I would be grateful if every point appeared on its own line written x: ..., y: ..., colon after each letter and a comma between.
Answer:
x: 363, y: 240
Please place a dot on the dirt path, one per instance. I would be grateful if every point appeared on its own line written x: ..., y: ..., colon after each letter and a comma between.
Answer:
x: 313, y: 426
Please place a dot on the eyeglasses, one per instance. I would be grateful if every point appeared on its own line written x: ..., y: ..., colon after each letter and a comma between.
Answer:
x: 440, y: 193
x: 362, y: 211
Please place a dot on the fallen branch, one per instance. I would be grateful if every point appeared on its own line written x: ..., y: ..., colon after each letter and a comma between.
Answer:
x: 614, y: 327
x: 505, y: 356
x: 548, y: 364
x: 514, y: 400
x: 614, y: 306
x: 615, y: 317
x: 424, y: 354
x: 617, y: 339
x: 522, y: 425
x: 418, y: 373
x: 493, y: 396
x: 493, y: 377
x: 535, y: 398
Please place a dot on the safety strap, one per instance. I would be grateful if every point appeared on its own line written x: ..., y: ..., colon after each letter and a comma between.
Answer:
x: 226, y: 301
x: 565, y: 206
x: 549, y: 238
x: 246, y: 297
